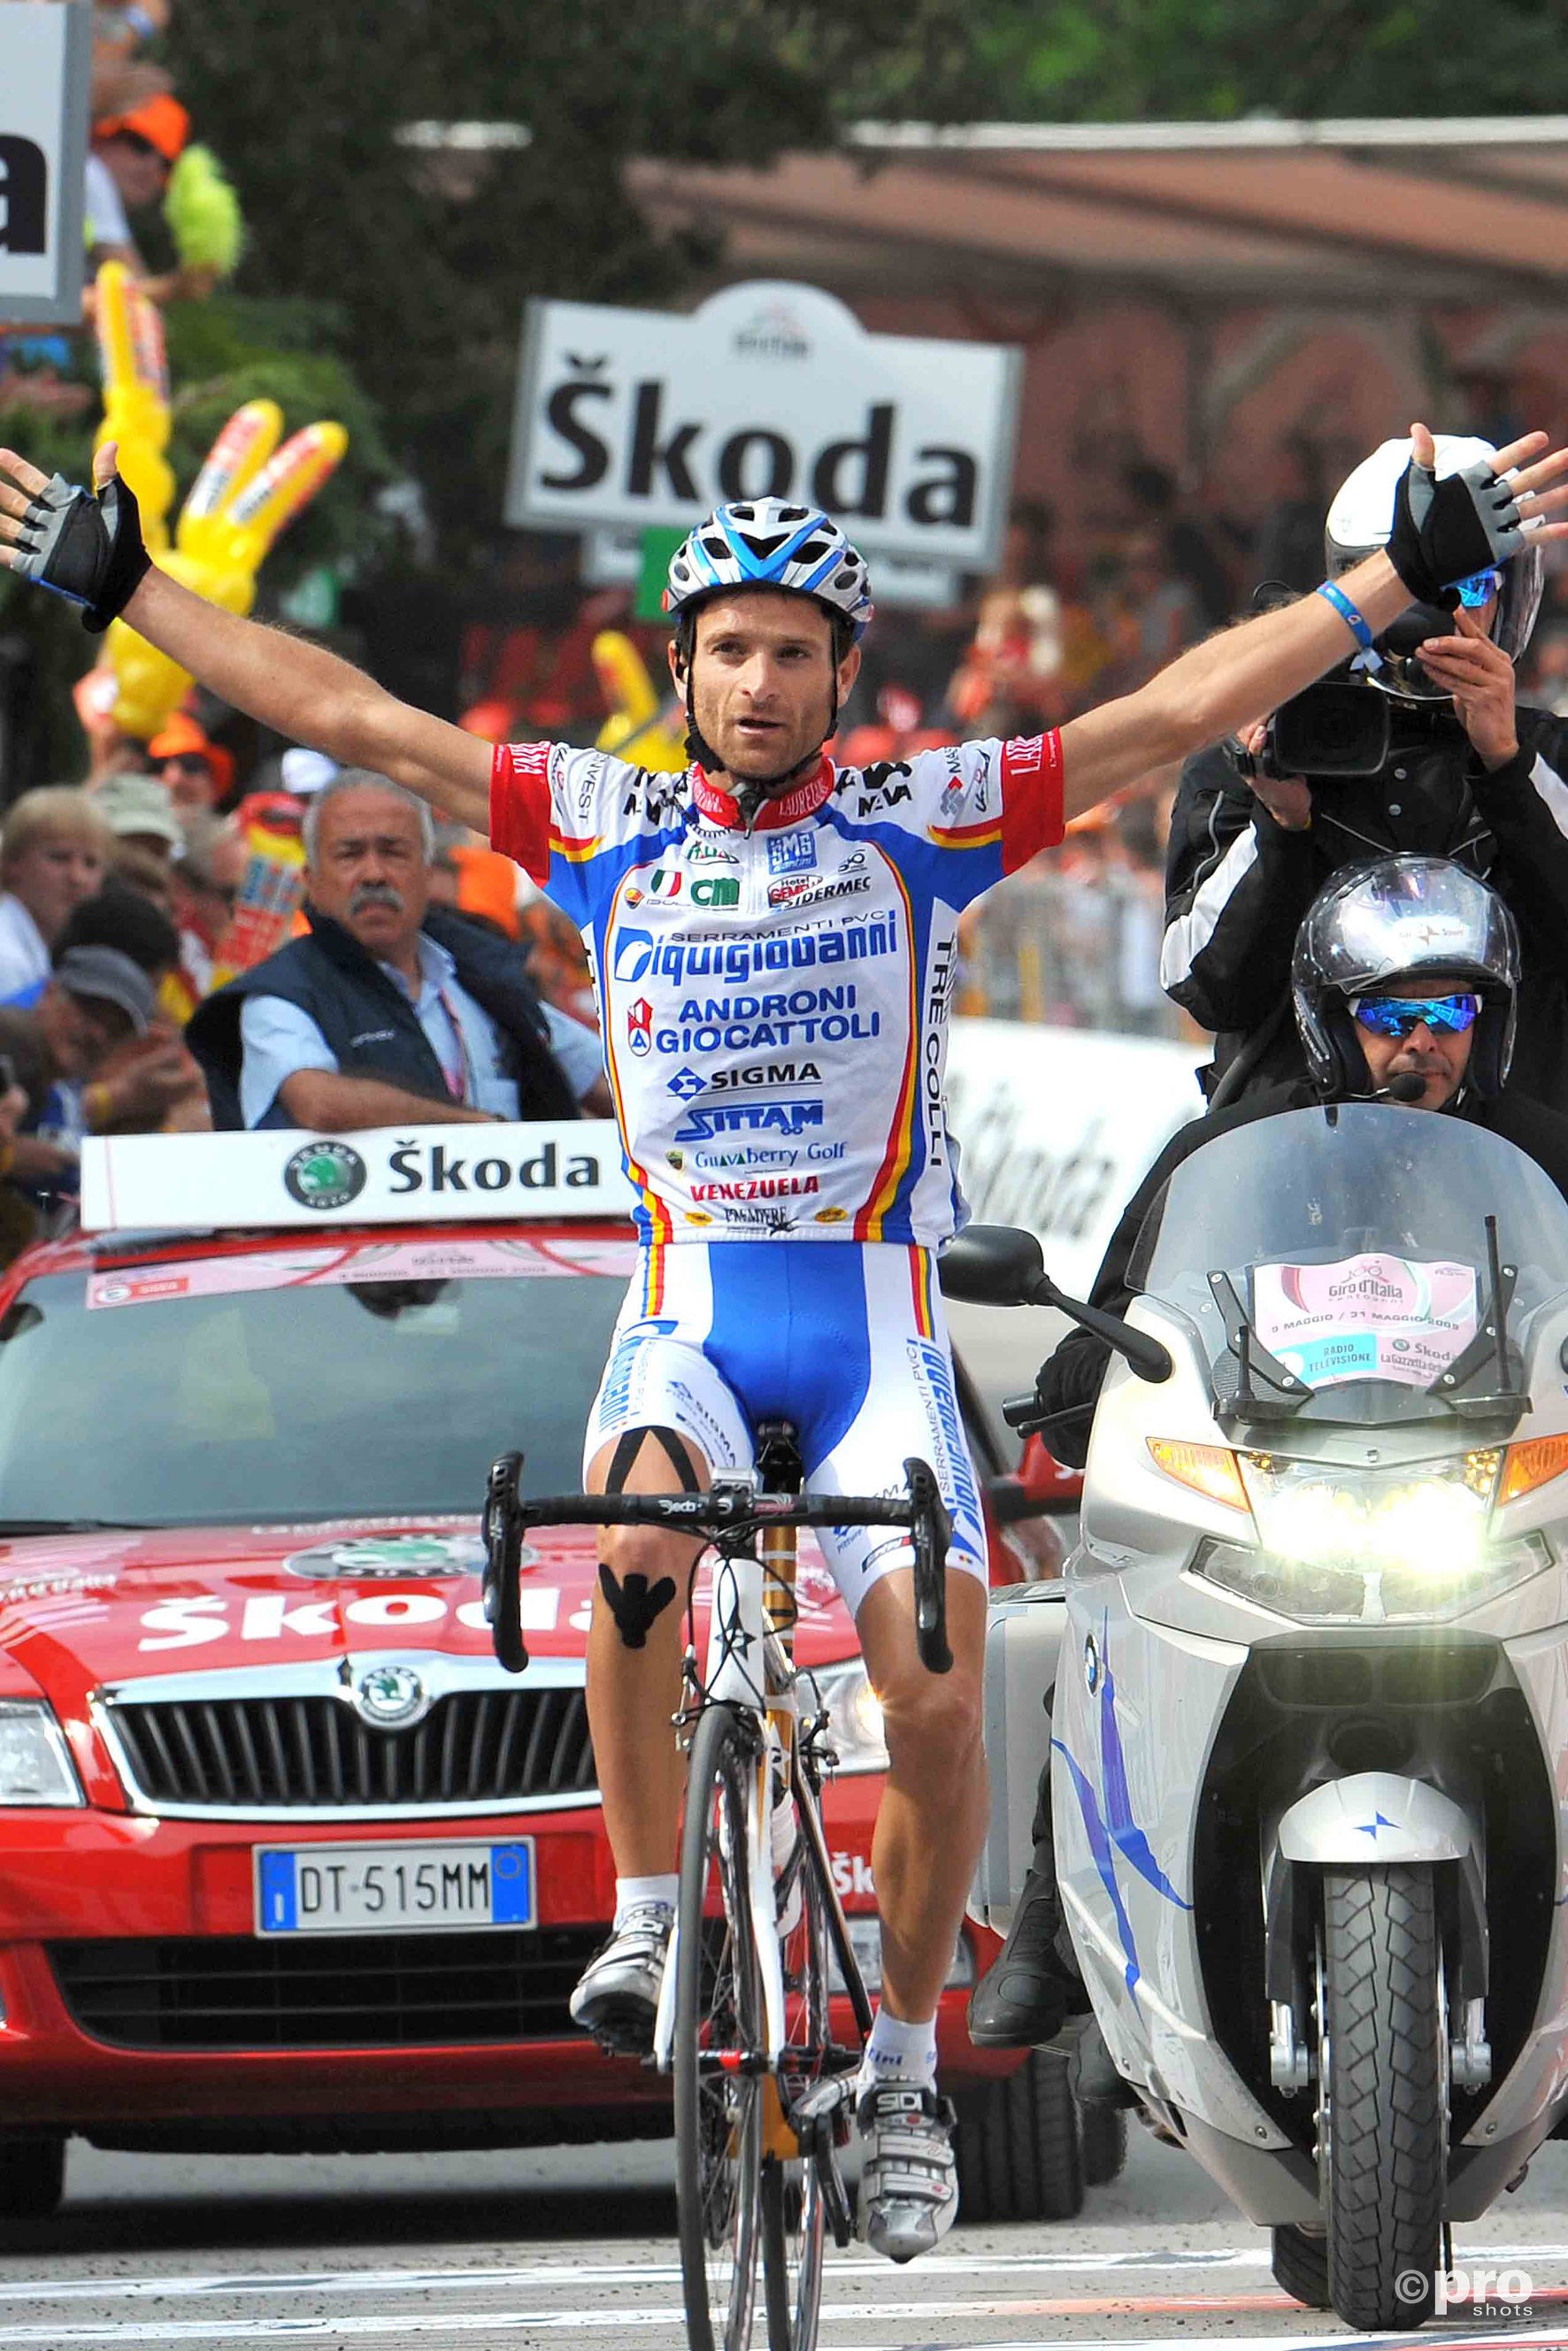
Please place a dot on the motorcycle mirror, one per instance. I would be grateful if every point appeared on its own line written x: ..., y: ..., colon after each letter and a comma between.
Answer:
x: 992, y: 1265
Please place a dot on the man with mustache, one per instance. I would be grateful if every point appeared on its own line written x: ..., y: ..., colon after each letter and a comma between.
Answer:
x: 393, y: 1009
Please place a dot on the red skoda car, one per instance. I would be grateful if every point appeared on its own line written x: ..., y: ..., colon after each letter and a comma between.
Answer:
x: 287, y: 1861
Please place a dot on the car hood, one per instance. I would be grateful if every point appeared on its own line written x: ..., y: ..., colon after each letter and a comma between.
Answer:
x: 77, y: 1610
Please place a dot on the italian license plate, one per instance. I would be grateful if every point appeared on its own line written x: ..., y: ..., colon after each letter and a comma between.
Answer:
x: 367, y: 1890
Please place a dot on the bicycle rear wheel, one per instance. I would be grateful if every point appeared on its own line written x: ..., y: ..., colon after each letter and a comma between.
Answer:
x: 793, y: 2213
x: 718, y: 2031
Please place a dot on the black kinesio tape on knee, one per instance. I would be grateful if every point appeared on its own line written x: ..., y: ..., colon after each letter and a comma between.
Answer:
x: 634, y: 1602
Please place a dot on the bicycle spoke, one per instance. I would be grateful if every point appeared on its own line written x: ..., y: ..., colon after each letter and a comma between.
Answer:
x: 793, y: 2214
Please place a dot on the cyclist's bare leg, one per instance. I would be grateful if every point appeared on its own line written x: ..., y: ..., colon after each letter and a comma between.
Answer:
x: 634, y: 1647
x: 932, y: 1823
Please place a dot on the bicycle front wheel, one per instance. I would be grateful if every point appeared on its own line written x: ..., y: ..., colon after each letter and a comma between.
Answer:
x: 792, y: 2209
x: 718, y: 2039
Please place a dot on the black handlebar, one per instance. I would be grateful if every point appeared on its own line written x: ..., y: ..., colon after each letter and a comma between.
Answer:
x: 508, y: 1517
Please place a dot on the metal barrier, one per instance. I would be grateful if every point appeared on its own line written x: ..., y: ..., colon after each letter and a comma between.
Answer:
x: 1076, y: 949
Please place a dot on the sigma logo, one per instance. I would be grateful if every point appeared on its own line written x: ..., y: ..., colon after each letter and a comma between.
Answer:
x: 715, y: 1119
x: 791, y: 852
x: 640, y: 1026
x: 763, y: 1073
x: 684, y: 1084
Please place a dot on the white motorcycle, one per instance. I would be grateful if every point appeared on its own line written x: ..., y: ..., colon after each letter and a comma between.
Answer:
x: 1309, y: 1734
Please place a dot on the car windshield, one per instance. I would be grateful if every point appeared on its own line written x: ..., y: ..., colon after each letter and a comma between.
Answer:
x: 1336, y: 1264
x: 294, y: 1388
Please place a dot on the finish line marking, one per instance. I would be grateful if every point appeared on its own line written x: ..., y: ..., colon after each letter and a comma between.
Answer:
x: 369, y: 2329
x: 564, y: 2273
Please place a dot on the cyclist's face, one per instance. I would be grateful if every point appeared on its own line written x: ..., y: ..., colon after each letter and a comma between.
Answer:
x: 763, y: 681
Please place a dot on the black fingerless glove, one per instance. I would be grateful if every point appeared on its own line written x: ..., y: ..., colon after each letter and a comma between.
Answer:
x: 86, y: 548
x: 1446, y: 531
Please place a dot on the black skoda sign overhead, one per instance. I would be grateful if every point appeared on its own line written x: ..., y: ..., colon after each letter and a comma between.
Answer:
x: 45, y: 63
x: 631, y: 418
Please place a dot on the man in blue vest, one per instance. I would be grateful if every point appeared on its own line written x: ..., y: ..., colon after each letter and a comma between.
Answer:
x: 392, y: 1009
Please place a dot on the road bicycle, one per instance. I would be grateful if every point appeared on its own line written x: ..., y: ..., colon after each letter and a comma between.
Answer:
x: 764, y: 2014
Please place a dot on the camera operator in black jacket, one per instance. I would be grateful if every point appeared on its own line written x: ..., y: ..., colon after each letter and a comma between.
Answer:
x: 1416, y: 748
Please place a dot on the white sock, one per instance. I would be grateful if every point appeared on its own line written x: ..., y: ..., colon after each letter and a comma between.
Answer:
x: 898, y: 2052
x: 632, y: 1892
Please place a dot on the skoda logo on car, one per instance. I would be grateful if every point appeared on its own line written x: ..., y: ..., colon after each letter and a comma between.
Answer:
x: 390, y: 1698
x: 324, y: 1175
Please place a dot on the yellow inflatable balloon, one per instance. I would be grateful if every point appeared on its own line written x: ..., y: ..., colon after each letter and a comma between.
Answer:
x: 248, y: 490
x: 135, y: 370
x: 641, y: 728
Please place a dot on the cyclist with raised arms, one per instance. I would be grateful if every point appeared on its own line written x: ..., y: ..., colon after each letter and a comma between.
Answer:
x: 774, y: 942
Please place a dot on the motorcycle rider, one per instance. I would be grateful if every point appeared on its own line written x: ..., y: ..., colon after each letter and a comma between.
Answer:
x: 696, y: 890
x: 1466, y: 774
x: 1404, y: 982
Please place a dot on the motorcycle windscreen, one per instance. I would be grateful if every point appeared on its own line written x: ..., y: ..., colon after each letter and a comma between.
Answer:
x: 1353, y: 1243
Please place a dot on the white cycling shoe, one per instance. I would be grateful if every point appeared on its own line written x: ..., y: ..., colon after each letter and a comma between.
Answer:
x: 909, y: 2187
x: 617, y: 1995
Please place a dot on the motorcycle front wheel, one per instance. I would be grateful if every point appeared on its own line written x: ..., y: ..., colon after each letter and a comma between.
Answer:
x: 1383, y: 2121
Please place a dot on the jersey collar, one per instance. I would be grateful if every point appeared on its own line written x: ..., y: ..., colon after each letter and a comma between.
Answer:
x: 720, y: 807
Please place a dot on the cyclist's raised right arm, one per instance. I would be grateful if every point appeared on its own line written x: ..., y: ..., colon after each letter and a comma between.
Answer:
x: 314, y: 697
x: 300, y: 690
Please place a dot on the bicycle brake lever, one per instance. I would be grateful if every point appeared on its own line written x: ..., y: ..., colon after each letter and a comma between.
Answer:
x: 502, y: 1597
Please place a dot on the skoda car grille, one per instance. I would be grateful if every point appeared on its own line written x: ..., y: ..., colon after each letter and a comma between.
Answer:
x: 269, y: 1744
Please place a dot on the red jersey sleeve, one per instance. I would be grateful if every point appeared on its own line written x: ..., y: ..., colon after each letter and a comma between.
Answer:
x: 1031, y: 798
x: 520, y: 806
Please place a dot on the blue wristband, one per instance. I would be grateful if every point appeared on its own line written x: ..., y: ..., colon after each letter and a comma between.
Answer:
x: 1354, y: 621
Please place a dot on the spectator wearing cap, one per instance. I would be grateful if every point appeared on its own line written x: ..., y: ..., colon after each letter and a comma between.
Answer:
x: 123, y: 918
x: 392, y: 1009
x: 133, y: 155
x: 95, y: 1003
x: 55, y: 849
x: 139, y: 810
x: 198, y: 772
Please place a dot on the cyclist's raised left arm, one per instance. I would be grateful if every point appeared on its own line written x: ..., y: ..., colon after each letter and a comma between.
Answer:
x: 1441, y: 531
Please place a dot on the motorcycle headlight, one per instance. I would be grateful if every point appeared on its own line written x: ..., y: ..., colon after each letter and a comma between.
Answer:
x: 1374, y: 1546
x: 35, y: 1767
x: 854, y: 1713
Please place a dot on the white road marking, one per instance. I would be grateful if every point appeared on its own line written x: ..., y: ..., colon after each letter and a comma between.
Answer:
x: 559, y: 2274
x: 320, y: 2330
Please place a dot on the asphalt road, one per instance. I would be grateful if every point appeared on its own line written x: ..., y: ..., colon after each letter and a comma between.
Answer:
x: 511, y: 2251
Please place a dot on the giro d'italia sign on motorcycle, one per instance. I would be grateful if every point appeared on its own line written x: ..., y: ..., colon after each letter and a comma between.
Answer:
x: 639, y: 418
x: 45, y: 63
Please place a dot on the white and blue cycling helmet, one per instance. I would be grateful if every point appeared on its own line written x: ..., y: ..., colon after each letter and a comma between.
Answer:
x: 772, y: 543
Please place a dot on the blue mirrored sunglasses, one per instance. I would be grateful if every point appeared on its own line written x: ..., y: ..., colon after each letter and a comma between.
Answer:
x: 1399, y: 1016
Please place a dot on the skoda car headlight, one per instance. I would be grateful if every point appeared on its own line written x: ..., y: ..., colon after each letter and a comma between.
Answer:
x: 854, y: 1713
x: 35, y: 1767
x: 1373, y: 1545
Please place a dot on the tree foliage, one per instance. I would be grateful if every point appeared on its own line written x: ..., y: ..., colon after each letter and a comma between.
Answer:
x: 1192, y: 61
x: 426, y: 266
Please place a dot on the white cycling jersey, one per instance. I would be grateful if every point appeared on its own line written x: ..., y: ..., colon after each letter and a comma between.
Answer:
x: 774, y: 1004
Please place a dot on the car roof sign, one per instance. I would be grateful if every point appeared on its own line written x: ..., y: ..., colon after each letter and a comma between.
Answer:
x: 377, y: 1176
